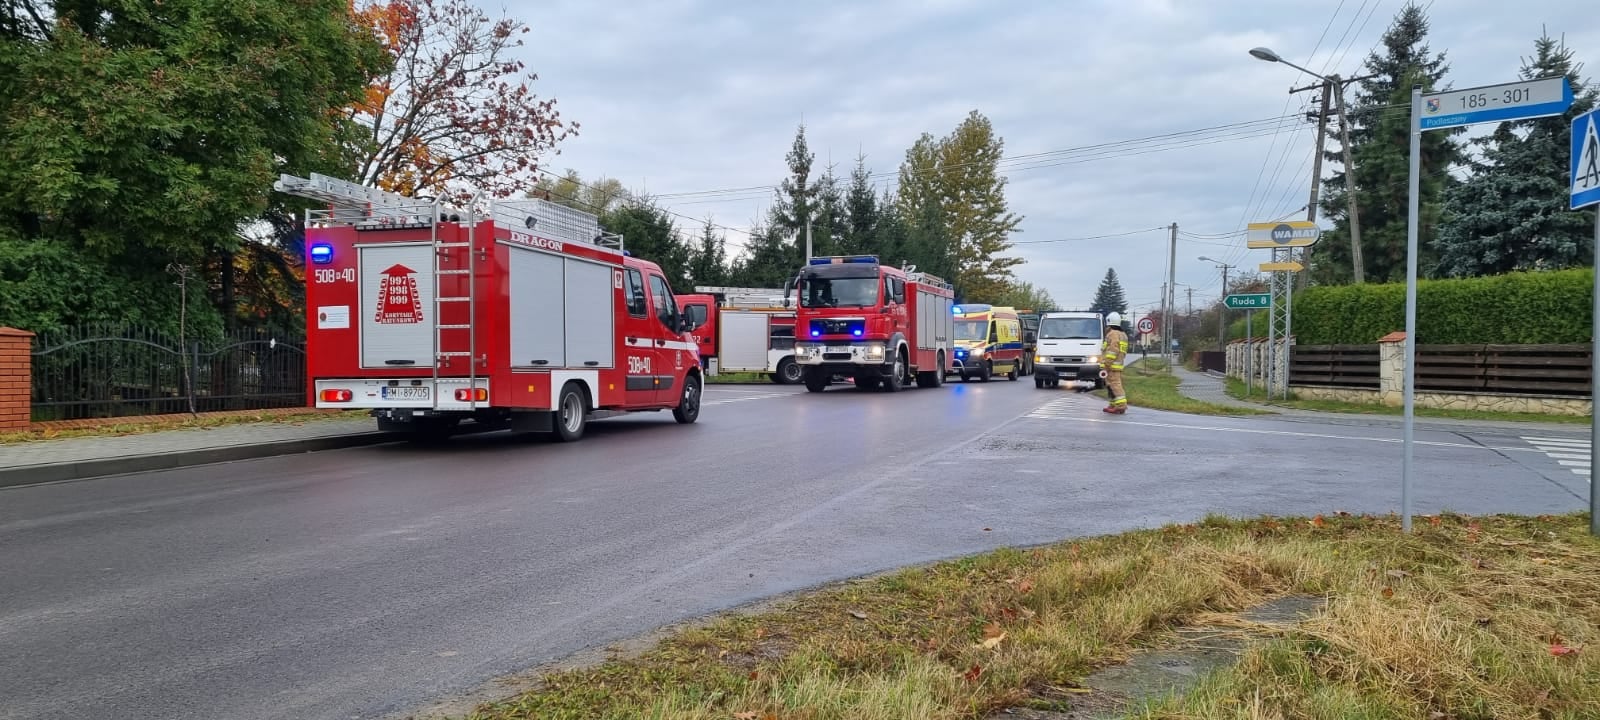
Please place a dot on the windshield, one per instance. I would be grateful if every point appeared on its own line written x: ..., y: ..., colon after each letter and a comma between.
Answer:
x: 1062, y: 328
x: 972, y: 330
x: 839, y: 292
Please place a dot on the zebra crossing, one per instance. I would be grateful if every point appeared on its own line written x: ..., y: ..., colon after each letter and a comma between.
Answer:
x: 1570, y: 453
x: 1071, y: 405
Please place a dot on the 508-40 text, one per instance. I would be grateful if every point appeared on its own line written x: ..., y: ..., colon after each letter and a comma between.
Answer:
x: 331, y: 275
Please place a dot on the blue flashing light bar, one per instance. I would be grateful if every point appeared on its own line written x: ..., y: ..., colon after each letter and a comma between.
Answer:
x: 964, y: 309
x: 836, y: 260
x: 321, y: 253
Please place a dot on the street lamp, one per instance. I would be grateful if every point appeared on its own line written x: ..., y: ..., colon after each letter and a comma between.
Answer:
x: 1335, y: 85
x: 1222, y: 312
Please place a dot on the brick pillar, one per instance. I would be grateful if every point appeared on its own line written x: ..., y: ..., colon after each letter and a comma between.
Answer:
x: 16, y: 379
x: 1392, y: 368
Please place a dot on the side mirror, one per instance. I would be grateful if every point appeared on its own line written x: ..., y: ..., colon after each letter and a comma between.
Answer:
x: 686, y: 322
x: 1030, y: 337
x: 787, y: 286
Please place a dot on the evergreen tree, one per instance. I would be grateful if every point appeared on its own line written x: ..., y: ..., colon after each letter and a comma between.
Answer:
x: 769, y: 260
x: 649, y: 233
x: 1380, y: 146
x: 831, y: 221
x: 861, y: 236
x: 1109, y: 296
x: 708, y: 262
x: 1512, y: 214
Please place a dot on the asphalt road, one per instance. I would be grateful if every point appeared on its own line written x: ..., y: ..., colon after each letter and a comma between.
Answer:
x: 368, y: 582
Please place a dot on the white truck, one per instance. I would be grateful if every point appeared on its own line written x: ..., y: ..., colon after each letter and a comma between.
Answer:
x: 1069, y: 348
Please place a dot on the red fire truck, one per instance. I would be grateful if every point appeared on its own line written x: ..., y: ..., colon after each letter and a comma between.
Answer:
x: 880, y: 325
x: 743, y: 330
x: 528, y: 317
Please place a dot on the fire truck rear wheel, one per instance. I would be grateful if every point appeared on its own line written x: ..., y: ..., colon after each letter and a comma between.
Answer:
x: 688, y: 409
x: 571, y: 414
x: 932, y: 378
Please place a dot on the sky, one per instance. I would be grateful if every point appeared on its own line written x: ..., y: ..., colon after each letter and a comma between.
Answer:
x: 679, y: 97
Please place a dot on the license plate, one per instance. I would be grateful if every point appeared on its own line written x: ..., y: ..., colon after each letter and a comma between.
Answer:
x: 406, y: 393
x: 838, y: 349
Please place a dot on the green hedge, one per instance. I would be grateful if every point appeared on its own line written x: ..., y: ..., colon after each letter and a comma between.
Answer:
x: 1517, y: 308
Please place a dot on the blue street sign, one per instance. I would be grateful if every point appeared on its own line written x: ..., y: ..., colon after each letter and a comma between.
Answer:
x: 1495, y: 103
x: 1585, y: 168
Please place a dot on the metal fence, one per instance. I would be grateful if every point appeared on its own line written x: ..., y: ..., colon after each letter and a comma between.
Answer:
x: 93, y: 372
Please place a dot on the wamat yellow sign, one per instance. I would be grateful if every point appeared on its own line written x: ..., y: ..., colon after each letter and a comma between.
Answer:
x: 1293, y: 234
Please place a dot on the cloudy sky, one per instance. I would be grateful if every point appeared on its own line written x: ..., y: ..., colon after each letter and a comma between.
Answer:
x: 680, y: 97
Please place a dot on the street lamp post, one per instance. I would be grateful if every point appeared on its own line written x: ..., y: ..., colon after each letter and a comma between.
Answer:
x: 1222, y: 311
x: 1357, y: 267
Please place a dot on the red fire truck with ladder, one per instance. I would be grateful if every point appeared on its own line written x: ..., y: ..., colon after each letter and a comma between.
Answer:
x: 880, y: 325
x: 743, y: 330
x: 527, y: 317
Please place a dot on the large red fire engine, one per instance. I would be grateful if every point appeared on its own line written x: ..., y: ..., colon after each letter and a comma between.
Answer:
x: 881, y: 325
x: 743, y: 330
x: 528, y: 317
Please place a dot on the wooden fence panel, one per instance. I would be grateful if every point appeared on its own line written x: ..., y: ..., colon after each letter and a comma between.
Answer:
x: 1334, y: 365
x: 1561, y: 370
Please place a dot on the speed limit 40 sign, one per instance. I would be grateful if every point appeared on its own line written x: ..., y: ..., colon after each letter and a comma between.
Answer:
x: 1146, y: 325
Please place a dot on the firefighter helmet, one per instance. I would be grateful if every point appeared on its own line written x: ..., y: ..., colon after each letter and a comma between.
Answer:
x: 1114, y: 319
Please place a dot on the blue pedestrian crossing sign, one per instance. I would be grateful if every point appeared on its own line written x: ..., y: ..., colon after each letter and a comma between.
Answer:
x: 1585, y: 172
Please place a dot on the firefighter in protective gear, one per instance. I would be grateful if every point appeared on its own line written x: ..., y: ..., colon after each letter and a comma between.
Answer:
x: 1113, y: 353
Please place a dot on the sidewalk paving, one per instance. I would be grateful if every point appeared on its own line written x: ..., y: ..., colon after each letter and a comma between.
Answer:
x: 1210, y: 388
x: 40, y: 461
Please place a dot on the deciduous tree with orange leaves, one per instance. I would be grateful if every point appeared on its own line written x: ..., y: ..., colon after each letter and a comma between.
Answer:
x: 458, y: 112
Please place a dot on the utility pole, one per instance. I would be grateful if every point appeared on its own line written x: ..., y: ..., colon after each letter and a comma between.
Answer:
x: 1170, y: 292
x: 1356, y: 265
x: 1222, y: 314
x: 1316, y: 167
x: 808, y: 238
x: 1191, y: 303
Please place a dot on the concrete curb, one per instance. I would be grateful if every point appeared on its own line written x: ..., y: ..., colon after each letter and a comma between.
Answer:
x: 84, y: 469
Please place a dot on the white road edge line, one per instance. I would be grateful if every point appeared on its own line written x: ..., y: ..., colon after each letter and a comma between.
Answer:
x: 1288, y: 433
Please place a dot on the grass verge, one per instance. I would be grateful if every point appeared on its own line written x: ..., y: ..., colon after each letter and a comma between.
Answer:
x: 1463, y: 618
x: 738, y: 379
x: 1149, y: 385
x: 136, y: 425
x: 1236, y: 389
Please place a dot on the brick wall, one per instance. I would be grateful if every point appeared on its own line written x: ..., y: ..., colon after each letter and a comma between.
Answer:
x: 16, y: 379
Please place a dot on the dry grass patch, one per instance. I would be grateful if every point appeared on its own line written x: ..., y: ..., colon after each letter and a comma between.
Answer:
x: 1466, y: 618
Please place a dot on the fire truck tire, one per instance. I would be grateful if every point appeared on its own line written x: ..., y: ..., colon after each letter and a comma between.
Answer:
x: 688, y: 409
x: 789, y: 372
x: 817, y: 380
x: 571, y: 414
x: 895, y: 379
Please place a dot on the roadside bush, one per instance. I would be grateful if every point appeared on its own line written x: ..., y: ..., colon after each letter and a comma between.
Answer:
x: 1517, y: 308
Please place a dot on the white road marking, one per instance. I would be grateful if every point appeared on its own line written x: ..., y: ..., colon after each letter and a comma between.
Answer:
x: 743, y: 397
x: 1059, y: 412
x: 1571, y: 453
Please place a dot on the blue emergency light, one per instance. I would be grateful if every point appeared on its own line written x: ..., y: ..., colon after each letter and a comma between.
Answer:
x: 322, y: 253
x: 870, y: 259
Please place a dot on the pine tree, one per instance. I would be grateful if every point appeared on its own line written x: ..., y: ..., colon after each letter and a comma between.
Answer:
x: 830, y: 222
x: 864, y: 218
x: 1512, y: 214
x: 649, y: 233
x: 1380, y: 146
x: 1109, y: 296
x: 708, y: 263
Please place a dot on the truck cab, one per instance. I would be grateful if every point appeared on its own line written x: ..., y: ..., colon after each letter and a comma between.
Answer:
x: 988, y: 342
x: 1069, y: 348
